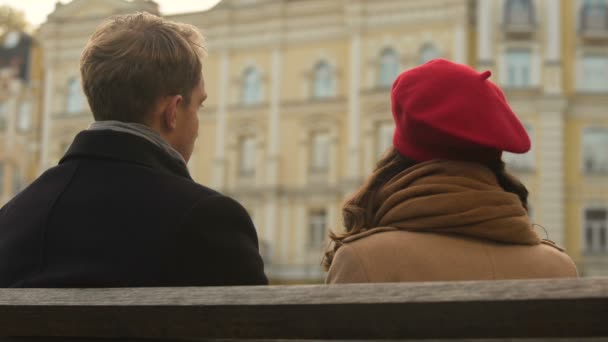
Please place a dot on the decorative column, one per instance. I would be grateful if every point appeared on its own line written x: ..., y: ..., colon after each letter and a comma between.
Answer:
x: 272, y: 162
x: 551, y: 195
x: 219, y: 163
x: 46, y: 115
x: 551, y: 199
x: 553, y: 69
x: 460, y: 45
x: 485, y: 33
x: 354, y: 111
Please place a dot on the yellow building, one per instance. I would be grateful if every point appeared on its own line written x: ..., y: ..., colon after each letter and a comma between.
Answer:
x: 20, y: 93
x: 299, y: 109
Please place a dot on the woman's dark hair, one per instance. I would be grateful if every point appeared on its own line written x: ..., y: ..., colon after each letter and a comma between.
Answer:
x: 359, y: 210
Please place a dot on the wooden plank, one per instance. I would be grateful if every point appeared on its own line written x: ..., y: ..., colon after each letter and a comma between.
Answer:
x: 501, y: 309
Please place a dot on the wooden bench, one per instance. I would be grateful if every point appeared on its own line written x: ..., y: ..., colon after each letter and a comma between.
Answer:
x: 547, y: 309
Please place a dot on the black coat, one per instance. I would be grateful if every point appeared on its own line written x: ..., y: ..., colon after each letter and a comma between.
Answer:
x: 118, y: 211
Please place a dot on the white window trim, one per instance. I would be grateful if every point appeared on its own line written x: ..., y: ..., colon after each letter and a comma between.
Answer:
x: 79, y: 96
x: 376, y: 136
x: 309, y: 243
x: 252, y: 66
x: 577, y: 10
x: 309, y: 78
x: 583, y: 231
x: 311, y: 125
x: 579, y: 79
x: 537, y: 19
x: 582, y: 152
x: 533, y: 150
x: 236, y: 131
x: 437, y: 46
x: 378, y: 65
x: 313, y: 135
x: 535, y: 64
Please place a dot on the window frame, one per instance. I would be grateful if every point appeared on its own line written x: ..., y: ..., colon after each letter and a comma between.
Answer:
x: 591, y: 250
x: 531, y: 130
x: 249, y: 85
x: 508, y: 14
x: 320, y: 169
x: 583, y: 81
x: 74, y: 99
x: 243, y: 172
x: 330, y: 80
x: 528, y: 83
x: 312, y: 230
x: 387, y: 52
x: 583, y: 158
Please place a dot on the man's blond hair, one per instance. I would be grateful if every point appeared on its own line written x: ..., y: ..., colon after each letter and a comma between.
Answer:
x: 132, y: 61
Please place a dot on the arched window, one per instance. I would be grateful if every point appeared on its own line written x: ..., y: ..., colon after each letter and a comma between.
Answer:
x: 323, y: 80
x: 389, y: 67
x: 519, y: 12
x: 252, y: 92
x: 75, y: 97
x: 428, y: 52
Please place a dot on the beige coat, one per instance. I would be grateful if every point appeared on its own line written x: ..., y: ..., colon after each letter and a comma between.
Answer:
x: 398, y: 256
x: 447, y: 220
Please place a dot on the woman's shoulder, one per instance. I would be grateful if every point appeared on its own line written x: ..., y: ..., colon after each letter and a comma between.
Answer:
x: 560, y: 255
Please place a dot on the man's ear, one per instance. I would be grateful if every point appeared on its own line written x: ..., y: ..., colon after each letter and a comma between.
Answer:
x: 170, y: 111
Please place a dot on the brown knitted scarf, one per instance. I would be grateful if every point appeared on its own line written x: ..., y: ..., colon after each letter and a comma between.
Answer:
x: 454, y: 197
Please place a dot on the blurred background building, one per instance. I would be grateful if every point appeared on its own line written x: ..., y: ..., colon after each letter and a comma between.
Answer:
x: 20, y: 95
x: 299, y: 106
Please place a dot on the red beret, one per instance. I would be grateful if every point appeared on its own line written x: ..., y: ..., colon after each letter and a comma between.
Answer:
x: 444, y: 110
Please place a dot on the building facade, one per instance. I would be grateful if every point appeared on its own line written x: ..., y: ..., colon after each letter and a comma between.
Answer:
x: 299, y: 107
x: 20, y: 105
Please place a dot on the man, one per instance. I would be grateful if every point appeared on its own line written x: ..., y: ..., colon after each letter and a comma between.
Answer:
x: 121, y: 209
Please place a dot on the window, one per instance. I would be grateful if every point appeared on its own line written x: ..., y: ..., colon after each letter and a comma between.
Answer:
x: 518, y: 68
x: 595, y: 145
x: 521, y: 162
x: 594, y: 15
x: 428, y: 52
x: 389, y: 67
x: 17, y: 182
x: 3, y: 114
x: 247, y: 147
x: 384, y: 137
x: 75, y: 97
x: 252, y: 92
x: 317, y: 223
x: 519, y: 12
x: 25, y: 117
x: 596, y: 229
x: 594, y: 74
x: 320, y: 152
x: 323, y: 80
x: 1, y: 179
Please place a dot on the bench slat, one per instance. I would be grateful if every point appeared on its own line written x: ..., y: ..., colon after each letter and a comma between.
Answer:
x: 456, y: 310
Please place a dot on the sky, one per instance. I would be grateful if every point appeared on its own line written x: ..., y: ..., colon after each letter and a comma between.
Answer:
x: 37, y: 10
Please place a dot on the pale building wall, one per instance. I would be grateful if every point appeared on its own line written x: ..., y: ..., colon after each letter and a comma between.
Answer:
x: 285, y: 40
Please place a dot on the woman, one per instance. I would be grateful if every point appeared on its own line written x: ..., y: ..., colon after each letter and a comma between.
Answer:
x: 440, y: 205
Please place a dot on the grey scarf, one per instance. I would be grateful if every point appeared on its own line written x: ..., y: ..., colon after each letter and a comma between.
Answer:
x: 141, y: 131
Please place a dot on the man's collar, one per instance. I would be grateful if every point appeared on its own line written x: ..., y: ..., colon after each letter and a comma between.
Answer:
x: 119, y: 146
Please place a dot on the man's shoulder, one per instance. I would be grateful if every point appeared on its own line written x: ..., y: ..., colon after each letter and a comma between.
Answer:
x: 217, y: 204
